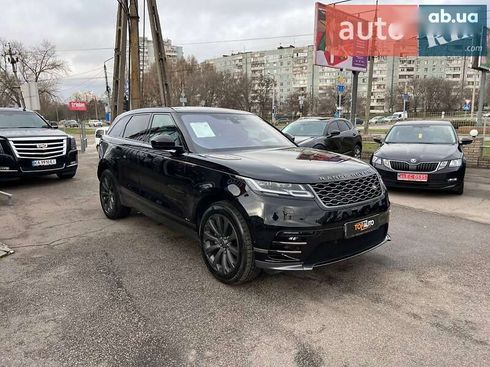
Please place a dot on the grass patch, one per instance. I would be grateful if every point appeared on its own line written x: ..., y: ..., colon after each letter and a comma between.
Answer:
x: 369, y: 146
x: 76, y: 130
x: 486, y: 149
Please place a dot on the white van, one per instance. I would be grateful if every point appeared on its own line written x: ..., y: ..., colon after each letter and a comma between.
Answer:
x: 400, y: 115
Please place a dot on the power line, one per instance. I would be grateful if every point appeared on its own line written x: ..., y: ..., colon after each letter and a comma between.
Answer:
x: 199, y: 42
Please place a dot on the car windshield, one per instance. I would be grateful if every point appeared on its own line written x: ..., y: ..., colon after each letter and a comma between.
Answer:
x: 306, y: 128
x: 227, y: 131
x: 21, y: 119
x: 421, y: 134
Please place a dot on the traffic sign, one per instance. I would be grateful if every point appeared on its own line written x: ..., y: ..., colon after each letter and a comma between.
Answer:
x: 340, y: 88
x: 467, y: 105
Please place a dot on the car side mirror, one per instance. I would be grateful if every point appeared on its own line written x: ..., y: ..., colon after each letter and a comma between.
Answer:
x: 334, y: 133
x: 466, y: 141
x: 289, y: 136
x: 165, y: 142
x: 378, y: 140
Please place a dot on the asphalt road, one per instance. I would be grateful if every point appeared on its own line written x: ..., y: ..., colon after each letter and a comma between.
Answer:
x: 84, y: 290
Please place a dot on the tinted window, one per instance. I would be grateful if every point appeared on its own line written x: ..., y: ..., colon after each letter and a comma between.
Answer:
x: 306, y: 128
x: 343, y: 125
x: 333, y: 126
x: 227, y: 131
x: 117, y: 127
x: 163, y: 125
x: 23, y: 119
x: 137, y: 127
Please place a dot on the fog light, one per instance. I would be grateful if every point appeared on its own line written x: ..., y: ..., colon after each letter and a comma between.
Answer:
x: 452, y: 179
x: 3, y: 168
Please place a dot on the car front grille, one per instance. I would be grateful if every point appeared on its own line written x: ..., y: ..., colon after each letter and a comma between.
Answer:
x: 347, y: 192
x: 38, y: 148
x: 418, y: 167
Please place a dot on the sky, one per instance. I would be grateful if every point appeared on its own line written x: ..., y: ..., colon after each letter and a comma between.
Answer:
x: 84, y: 30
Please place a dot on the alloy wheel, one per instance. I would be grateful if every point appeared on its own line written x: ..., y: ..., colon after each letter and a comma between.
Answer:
x: 107, y: 194
x: 357, y: 152
x: 220, y: 244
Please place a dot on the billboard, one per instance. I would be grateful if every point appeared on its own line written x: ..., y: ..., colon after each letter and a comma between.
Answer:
x: 77, y: 106
x: 327, y: 50
x: 482, y: 62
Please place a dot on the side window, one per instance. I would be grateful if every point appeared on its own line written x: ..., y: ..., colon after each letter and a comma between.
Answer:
x: 163, y: 124
x: 137, y: 127
x: 332, y: 126
x: 117, y: 127
x: 343, y: 125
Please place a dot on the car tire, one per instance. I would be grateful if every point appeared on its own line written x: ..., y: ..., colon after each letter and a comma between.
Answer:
x: 319, y: 146
x: 357, y: 152
x: 66, y: 175
x: 110, y: 199
x: 226, y: 244
x: 459, y: 190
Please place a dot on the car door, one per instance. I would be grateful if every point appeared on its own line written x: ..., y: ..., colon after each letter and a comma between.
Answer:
x: 348, y: 136
x: 164, y: 180
x: 333, y: 142
x: 134, y: 144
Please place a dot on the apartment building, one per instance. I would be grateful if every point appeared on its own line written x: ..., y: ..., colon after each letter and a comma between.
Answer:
x: 147, y: 53
x: 293, y: 70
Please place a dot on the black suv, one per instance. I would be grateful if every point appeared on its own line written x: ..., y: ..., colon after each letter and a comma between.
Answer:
x: 255, y: 198
x: 30, y: 146
x: 332, y: 134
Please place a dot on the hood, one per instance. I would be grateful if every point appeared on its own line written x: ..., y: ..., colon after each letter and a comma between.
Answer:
x: 28, y: 132
x: 420, y: 152
x: 292, y: 165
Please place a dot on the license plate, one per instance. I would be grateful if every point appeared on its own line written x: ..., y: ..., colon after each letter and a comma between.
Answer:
x: 44, y: 162
x: 418, y: 177
x: 365, y: 225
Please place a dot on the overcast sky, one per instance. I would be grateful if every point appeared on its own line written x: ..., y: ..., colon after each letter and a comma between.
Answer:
x: 75, y: 25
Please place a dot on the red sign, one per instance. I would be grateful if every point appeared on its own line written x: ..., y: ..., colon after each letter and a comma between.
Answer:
x: 77, y: 106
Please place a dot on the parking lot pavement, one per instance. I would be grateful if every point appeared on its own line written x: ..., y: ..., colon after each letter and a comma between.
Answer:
x: 84, y: 290
x: 473, y: 205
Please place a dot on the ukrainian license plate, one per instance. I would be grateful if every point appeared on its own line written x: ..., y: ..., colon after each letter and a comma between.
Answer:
x: 417, y: 177
x: 44, y: 162
x: 366, y: 225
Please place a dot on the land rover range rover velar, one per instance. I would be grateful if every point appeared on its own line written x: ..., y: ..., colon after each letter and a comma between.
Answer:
x: 255, y: 199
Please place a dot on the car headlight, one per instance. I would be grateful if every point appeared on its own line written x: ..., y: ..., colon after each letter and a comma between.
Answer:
x: 456, y: 162
x: 73, y: 143
x: 442, y: 165
x: 278, y: 188
x: 377, y: 160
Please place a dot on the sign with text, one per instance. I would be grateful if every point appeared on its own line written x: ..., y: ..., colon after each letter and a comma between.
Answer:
x: 328, y: 52
x: 77, y: 106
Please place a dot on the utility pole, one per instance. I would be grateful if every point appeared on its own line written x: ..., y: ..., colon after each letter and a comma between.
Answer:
x: 367, y: 112
x: 353, y: 107
x: 481, y: 98
x: 160, y: 57
x: 107, y: 88
x: 117, y: 104
x: 134, y: 56
x: 473, y: 94
x: 13, y: 60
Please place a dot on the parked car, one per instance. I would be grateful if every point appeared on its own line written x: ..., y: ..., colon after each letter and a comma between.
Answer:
x: 254, y: 198
x: 71, y: 123
x: 359, y: 121
x: 422, y: 155
x: 30, y: 146
x: 94, y: 123
x: 389, y: 119
x: 99, y: 132
x: 375, y: 120
x: 400, y: 115
x: 332, y: 134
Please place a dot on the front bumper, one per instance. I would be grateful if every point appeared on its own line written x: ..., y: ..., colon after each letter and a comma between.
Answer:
x: 298, y: 234
x: 445, y: 179
x: 12, y: 168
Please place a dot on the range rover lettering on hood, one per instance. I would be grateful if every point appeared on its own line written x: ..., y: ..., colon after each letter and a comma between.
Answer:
x: 364, y: 173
